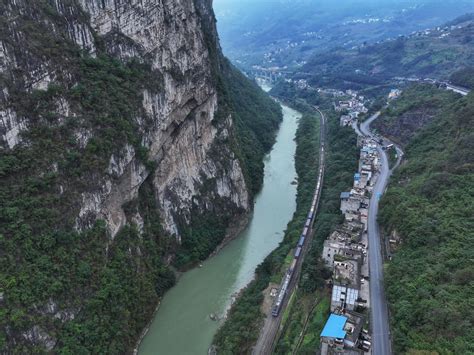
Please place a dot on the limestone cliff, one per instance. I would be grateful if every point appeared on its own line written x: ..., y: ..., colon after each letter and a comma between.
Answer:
x: 168, y: 36
x: 118, y: 150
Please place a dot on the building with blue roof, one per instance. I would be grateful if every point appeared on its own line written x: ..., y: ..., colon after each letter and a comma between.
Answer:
x: 342, y: 331
x: 334, y: 327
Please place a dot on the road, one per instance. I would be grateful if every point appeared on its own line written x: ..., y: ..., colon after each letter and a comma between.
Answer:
x: 381, y: 344
x: 269, y: 332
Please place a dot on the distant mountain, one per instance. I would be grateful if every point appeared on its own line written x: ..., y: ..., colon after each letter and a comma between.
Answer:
x: 434, y: 53
x: 287, y: 33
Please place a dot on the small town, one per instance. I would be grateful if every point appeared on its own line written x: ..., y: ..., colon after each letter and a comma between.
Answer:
x: 345, y: 252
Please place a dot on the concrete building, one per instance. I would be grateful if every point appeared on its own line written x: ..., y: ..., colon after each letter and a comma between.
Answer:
x: 330, y: 249
x: 341, y: 333
x: 394, y: 94
x: 353, y: 229
x: 344, y: 297
x: 345, y: 120
x: 347, y: 273
x: 333, y: 333
x: 349, y: 202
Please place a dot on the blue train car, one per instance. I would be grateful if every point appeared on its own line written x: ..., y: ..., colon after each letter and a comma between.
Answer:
x: 310, y: 215
x: 297, y: 252
x: 301, y: 242
x: 308, y: 222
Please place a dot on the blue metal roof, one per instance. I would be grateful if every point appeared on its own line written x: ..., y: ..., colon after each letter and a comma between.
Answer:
x: 334, y: 327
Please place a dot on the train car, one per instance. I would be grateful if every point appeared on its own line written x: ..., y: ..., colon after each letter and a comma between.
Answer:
x: 297, y: 252
x: 308, y: 222
x: 305, y: 231
x: 301, y: 242
x: 310, y: 215
x: 275, y: 310
x: 281, y: 295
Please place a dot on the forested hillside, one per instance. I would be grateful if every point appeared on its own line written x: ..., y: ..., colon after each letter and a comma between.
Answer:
x: 416, y: 108
x: 436, y: 53
x: 430, y: 204
x: 288, y: 33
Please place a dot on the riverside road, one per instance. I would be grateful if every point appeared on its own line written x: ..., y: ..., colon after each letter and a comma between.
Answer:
x: 381, y: 343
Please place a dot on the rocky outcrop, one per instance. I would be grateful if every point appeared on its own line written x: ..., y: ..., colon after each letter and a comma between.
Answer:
x: 175, y: 138
x: 167, y: 35
x: 404, y: 127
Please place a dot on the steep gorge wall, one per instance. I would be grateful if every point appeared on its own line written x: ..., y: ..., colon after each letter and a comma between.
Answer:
x: 167, y: 36
x: 112, y: 146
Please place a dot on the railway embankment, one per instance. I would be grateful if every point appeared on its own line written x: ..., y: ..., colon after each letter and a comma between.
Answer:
x: 245, y: 312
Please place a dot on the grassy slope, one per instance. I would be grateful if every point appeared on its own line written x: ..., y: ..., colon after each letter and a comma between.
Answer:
x: 429, y: 203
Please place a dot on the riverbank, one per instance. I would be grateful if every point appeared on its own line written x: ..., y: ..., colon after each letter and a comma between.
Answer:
x: 233, y: 232
x: 246, y: 313
x: 301, y: 332
x: 200, y: 292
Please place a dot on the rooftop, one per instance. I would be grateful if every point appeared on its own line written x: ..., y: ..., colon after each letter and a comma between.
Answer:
x: 344, y: 293
x: 345, y: 195
x: 334, y: 327
x: 346, y: 273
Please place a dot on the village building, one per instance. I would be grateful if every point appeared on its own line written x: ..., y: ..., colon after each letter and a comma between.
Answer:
x: 349, y: 202
x: 345, y: 120
x: 341, y: 333
x: 394, y: 94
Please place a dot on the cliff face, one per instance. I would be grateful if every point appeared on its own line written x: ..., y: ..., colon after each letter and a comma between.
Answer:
x: 113, y: 147
x: 180, y: 133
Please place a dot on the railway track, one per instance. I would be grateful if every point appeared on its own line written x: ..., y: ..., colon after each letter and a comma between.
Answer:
x: 269, y: 333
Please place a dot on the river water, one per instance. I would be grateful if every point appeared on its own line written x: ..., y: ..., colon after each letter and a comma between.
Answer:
x: 182, y: 324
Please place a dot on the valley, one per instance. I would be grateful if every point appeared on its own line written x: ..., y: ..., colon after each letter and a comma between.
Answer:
x: 236, y: 177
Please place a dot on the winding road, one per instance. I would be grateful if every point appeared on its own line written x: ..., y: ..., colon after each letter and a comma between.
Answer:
x: 381, y: 343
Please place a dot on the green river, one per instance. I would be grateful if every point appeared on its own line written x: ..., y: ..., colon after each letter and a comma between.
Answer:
x: 182, y: 324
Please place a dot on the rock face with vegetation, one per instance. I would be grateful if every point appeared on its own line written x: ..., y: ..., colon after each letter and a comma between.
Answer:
x: 415, y: 109
x: 120, y: 152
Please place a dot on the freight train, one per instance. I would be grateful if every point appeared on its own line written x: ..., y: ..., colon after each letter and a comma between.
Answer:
x: 282, y: 291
